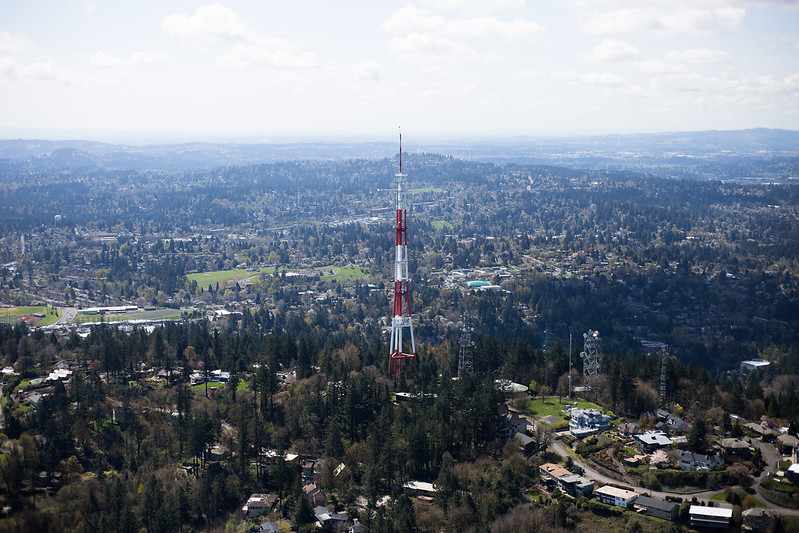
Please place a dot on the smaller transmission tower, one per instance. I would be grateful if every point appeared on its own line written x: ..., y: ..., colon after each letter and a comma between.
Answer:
x: 664, y: 355
x: 590, y: 355
x: 465, y: 360
x: 401, y: 312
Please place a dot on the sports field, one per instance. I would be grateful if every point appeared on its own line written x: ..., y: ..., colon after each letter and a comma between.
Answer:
x: 226, y: 277
x: 15, y: 315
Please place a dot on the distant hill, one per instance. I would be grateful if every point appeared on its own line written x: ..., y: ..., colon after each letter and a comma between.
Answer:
x: 680, y: 154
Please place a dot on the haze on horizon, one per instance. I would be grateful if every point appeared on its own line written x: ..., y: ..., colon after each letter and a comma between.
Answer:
x: 188, y: 70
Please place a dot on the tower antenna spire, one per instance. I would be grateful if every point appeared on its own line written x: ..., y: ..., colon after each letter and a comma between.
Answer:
x: 400, y: 142
x: 401, y: 312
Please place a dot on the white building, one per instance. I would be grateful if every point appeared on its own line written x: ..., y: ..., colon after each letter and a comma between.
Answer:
x: 702, y: 516
x: 615, y: 496
x: 753, y: 364
x: 584, y: 422
x: 259, y: 504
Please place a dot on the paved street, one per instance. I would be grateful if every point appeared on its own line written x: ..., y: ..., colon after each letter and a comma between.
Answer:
x: 770, y: 455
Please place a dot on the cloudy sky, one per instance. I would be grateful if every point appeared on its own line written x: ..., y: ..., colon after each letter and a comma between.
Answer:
x: 320, y: 68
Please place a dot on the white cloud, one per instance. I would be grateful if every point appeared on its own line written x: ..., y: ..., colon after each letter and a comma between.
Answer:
x: 104, y: 60
x: 266, y: 52
x: 659, y: 66
x: 613, y: 50
x: 10, y: 42
x: 696, y: 55
x: 411, y: 19
x: 241, y: 46
x: 677, y: 60
x: 475, y: 7
x: 600, y: 79
x: 428, y: 49
x: 40, y: 71
x: 424, y: 39
x: 89, y: 7
x: 660, y: 19
x: 209, y: 24
x: 368, y: 70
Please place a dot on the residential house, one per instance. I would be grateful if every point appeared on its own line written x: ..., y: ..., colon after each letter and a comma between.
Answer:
x: 269, y: 458
x: 657, y: 508
x: 752, y: 364
x: 268, y: 527
x: 584, y: 422
x: 356, y: 527
x: 551, y: 471
x: 326, y: 518
x: 315, y: 495
x: 757, y: 520
x: 258, y: 504
x: 717, y: 517
x: 699, y: 461
x: 761, y: 429
x: 419, y: 489
x: 34, y: 398
x: 673, y: 424
x: 60, y: 374
x: 789, y: 444
x: 216, y: 453
x: 309, y: 468
x: 569, y: 483
x: 736, y: 447
x: 650, y: 441
x: 526, y: 443
x: 615, y: 496
x: 510, y: 423
x: 575, y: 485
x: 629, y: 429
x: 793, y: 473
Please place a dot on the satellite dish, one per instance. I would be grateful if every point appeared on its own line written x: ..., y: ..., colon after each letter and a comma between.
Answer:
x: 585, y: 335
x: 582, y: 354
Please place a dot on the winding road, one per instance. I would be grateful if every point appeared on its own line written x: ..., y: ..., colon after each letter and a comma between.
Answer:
x: 770, y: 456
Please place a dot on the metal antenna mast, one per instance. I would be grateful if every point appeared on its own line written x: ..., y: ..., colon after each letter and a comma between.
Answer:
x: 570, y: 367
x: 400, y: 320
x: 590, y: 356
x: 664, y: 355
x: 465, y: 360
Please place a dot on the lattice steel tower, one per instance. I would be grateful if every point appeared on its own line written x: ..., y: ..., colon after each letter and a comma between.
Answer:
x: 590, y: 355
x: 664, y: 356
x: 401, y: 314
x: 466, y: 359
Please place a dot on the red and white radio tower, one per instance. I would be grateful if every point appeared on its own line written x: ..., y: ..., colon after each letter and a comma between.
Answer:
x: 400, y: 321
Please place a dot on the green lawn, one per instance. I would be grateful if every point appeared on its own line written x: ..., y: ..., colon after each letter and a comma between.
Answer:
x: 550, y: 406
x: 421, y: 190
x: 747, y: 499
x: 211, y: 385
x: 441, y: 224
x: 223, y: 277
x: 11, y: 315
x: 345, y: 273
x: 157, y: 314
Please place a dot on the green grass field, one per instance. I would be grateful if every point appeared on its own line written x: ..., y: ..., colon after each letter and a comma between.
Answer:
x: 345, y: 273
x: 441, y: 224
x: 157, y: 314
x: 550, y: 406
x: 12, y: 315
x: 421, y: 190
x: 211, y: 385
x: 223, y: 277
